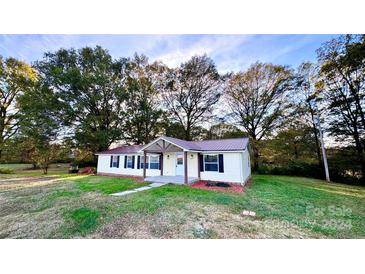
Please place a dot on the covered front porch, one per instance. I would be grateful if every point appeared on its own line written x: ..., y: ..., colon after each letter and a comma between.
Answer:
x: 178, y: 180
x: 178, y: 163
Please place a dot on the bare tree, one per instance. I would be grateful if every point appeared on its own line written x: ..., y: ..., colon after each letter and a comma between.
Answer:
x: 257, y: 100
x: 15, y: 77
x: 191, y: 92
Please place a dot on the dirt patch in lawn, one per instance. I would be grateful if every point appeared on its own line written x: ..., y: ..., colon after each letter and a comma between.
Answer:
x: 25, y: 182
x: 43, y: 211
x: 199, y: 221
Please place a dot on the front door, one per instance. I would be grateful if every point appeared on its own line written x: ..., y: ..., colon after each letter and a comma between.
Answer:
x: 179, y: 170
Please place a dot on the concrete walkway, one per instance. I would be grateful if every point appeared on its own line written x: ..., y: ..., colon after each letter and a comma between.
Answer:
x: 154, y: 185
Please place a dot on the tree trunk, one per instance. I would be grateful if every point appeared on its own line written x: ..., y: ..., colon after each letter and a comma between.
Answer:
x: 255, y: 156
x: 296, y: 154
x: 187, y: 133
x: 315, y: 131
x: 360, y: 152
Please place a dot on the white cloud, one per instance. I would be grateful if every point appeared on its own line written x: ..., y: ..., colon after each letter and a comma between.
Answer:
x: 214, y: 46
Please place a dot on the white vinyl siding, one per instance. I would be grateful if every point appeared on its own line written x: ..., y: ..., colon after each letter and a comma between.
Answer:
x: 104, y: 167
x: 235, y: 169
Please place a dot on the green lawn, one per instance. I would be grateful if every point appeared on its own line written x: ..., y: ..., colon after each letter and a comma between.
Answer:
x: 80, y: 206
x: 26, y: 169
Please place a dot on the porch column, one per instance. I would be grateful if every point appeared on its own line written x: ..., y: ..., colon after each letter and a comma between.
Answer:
x: 161, y: 163
x: 186, y: 167
x: 199, y: 167
x: 144, y: 163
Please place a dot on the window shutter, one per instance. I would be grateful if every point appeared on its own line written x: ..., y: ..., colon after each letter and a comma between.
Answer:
x: 111, y: 161
x: 138, y: 162
x: 221, y: 163
x: 133, y: 157
x: 118, y: 161
x: 125, y: 161
x: 201, y: 162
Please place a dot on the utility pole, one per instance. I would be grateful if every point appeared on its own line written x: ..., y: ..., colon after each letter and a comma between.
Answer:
x: 323, y: 150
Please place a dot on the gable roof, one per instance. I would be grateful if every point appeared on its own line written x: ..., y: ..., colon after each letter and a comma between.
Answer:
x: 236, y: 144
x: 122, y: 150
x: 222, y: 144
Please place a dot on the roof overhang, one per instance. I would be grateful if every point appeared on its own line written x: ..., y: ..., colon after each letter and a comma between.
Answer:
x: 164, y: 139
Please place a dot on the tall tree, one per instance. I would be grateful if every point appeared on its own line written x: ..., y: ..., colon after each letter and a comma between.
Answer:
x: 39, y: 126
x: 88, y: 85
x: 257, y: 100
x: 191, y: 92
x: 305, y: 100
x: 342, y: 62
x: 16, y: 77
x: 143, y: 113
x: 224, y: 131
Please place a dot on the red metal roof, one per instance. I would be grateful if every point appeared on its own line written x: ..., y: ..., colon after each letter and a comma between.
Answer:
x: 122, y: 150
x: 222, y: 144
x: 206, y: 145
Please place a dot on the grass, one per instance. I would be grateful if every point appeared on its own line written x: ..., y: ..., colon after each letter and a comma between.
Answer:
x: 17, y: 167
x: 26, y: 169
x: 80, y: 206
x: 50, y: 200
x: 82, y: 220
x: 107, y: 185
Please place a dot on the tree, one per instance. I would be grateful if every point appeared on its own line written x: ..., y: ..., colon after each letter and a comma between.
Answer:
x: 293, y: 143
x: 191, y: 92
x: 224, y: 131
x: 257, y: 100
x: 342, y: 85
x: 88, y: 86
x: 143, y: 117
x: 305, y: 100
x: 39, y: 127
x: 16, y: 77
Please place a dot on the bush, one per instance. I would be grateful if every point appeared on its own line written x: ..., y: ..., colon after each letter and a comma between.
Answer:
x: 85, y: 163
x: 4, y: 170
x: 292, y: 169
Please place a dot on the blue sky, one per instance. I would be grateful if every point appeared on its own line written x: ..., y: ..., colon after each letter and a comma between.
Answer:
x: 230, y: 52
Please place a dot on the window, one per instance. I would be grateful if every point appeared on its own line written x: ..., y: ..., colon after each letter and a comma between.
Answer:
x: 152, y: 162
x: 155, y: 162
x: 129, y: 161
x: 142, y: 162
x: 180, y: 160
x: 114, y: 161
x: 211, y: 162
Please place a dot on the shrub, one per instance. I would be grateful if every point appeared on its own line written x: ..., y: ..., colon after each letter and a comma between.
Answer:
x: 292, y: 169
x: 4, y: 170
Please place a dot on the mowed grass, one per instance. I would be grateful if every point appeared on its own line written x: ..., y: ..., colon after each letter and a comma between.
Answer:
x: 285, y: 207
x: 26, y: 169
x: 107, y: 185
